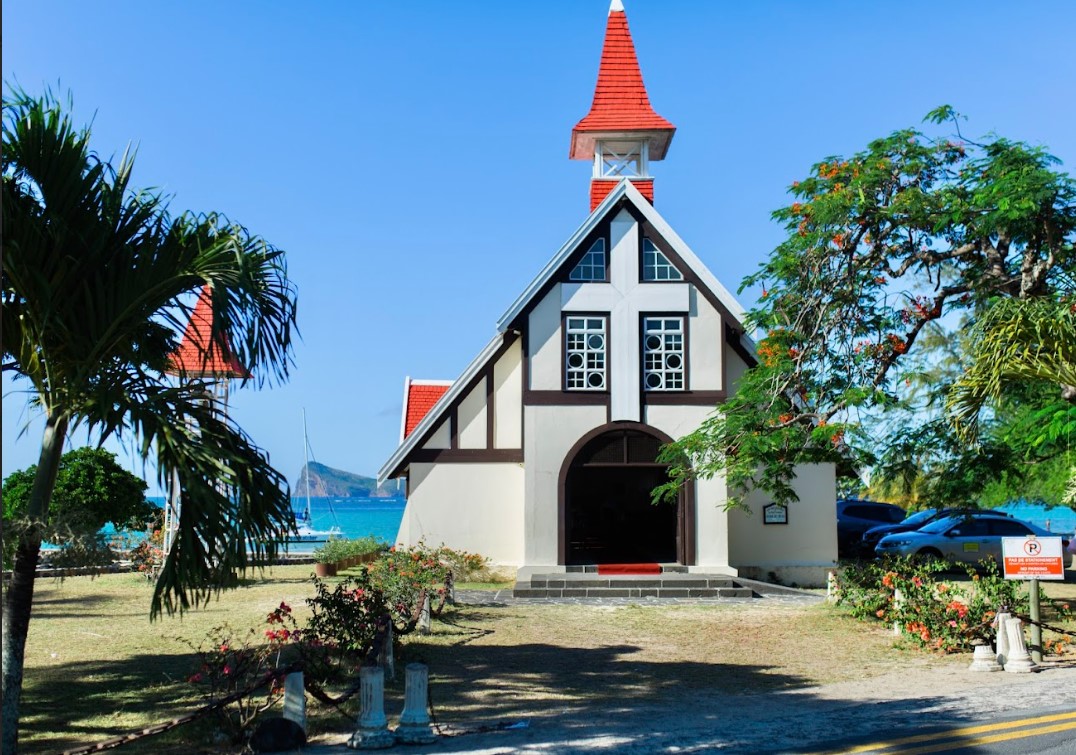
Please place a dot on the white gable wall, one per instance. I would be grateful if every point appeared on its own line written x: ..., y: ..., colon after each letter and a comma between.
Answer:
x: 471, y: 417
x: 544, y: 343
x: 440, y: 438
x: 706, y: 338
x: 508, y: 398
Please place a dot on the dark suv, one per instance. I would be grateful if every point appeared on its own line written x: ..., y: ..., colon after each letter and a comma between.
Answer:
x: 854, y: 517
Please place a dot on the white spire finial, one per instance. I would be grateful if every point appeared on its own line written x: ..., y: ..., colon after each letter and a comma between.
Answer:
x: 616, y: 5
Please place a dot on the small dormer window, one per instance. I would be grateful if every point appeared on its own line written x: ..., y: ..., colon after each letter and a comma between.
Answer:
x: 656, y: 266
x: 592, y: 266
x: 626, y: 159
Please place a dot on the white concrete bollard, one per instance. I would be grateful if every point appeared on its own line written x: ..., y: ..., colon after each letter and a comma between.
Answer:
x: 1019, y: 660
x: 984, y: 659
x: 1002, y: 636
x: 373, y: 733
x: 415, y: 725
x: 831, y: 585
x: 424, y: 617
x: 295, y: 699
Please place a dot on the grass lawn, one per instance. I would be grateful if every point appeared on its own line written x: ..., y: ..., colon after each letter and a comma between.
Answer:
x: 97, y: 668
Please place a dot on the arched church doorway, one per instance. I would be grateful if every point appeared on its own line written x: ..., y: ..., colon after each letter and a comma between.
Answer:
x: 606, y: 514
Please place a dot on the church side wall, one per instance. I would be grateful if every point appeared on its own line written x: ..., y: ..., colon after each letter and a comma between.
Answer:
x: 508, y: 398
x: 473, y: 507
x: 800, y: 552
x: 551, y: 433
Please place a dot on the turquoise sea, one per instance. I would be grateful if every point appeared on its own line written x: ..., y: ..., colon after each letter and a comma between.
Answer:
x: 356, y: 517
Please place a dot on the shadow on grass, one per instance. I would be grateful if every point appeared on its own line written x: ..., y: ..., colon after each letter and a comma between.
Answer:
x: 73, y: 704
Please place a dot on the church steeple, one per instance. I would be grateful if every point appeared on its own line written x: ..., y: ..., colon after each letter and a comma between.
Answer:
x: 621, y: 133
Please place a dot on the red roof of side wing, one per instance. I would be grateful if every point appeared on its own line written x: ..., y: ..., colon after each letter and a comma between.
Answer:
x: 421, y: 396
x: 620, y: 99
x: 196, y: 356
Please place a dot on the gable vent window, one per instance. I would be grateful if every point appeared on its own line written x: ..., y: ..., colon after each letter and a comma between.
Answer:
x: 663, y: 353
x: 656, y: 266
x: 592, y: 266
x: 584, y: 353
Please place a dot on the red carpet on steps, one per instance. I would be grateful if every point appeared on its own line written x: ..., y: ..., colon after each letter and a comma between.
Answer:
x: 629, y: 568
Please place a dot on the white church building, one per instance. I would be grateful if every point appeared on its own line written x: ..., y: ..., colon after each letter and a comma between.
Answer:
x: 542, y: 455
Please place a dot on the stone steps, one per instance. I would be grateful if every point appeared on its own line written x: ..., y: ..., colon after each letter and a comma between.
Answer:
x: 669, y: 584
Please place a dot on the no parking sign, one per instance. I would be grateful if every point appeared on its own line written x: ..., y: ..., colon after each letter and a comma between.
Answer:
x: 1032, y: 558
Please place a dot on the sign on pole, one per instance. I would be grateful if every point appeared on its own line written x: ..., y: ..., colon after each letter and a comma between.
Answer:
x: 1032, y: 558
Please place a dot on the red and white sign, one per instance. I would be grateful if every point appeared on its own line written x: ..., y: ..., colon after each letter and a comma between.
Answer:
x: 1032, y: 558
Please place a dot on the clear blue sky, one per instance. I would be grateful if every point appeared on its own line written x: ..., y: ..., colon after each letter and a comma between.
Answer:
x: 411, y: 157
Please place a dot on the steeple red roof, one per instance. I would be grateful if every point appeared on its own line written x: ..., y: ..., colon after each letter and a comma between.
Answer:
x: 620, y: 100
x: 196, y: 355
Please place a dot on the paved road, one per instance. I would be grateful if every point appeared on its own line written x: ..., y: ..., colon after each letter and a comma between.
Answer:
x: 1046, y: 732
x: 813, y: 720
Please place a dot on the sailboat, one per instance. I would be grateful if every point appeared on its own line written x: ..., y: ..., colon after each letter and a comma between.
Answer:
x: 305, y: 533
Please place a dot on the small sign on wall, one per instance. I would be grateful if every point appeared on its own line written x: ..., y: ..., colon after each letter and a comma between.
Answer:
x: 774, y: 513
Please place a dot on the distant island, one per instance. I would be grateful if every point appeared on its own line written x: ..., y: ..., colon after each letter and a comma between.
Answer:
x: 326, y: 482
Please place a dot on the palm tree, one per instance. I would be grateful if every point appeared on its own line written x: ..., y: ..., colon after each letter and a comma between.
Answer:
x: 97, y: 286
x: 1018, y: 340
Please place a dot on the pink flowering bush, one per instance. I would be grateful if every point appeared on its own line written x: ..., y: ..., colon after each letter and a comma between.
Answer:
x: 232, y: 661
x: 405, y: 575
x: 932, y: 614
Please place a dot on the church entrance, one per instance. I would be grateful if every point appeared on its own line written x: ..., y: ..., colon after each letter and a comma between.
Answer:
x: 606, y: 514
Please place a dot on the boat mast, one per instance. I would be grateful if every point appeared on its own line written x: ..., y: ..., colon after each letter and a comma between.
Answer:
x: 306, y: 465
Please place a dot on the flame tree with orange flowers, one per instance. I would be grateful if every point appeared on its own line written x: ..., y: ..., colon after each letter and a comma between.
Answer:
x: 915, y: 238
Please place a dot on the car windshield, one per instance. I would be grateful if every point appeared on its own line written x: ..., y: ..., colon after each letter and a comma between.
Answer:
x: 940, y: 526
x: 920, y: 517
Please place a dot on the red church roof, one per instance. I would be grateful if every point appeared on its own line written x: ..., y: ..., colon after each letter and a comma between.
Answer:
x: 620, y: 100
x: 196, y: 356
x: 419, y: 397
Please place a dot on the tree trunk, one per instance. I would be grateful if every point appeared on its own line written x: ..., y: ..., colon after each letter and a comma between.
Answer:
x: 19, y: 597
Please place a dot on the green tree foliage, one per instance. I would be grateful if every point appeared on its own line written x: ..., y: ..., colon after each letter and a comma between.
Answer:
x: 913, y: 231
x: 98, y: 285
x: 92, y: 490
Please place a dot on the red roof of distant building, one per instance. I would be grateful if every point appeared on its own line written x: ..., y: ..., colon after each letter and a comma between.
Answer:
x: 620, y: 99
x: 196, y: 356
x: 421, y: 397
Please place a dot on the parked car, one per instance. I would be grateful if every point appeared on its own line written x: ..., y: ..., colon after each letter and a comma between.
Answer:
x: 915, y: 521
x: 962, y: 538
x: 855, y: 516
